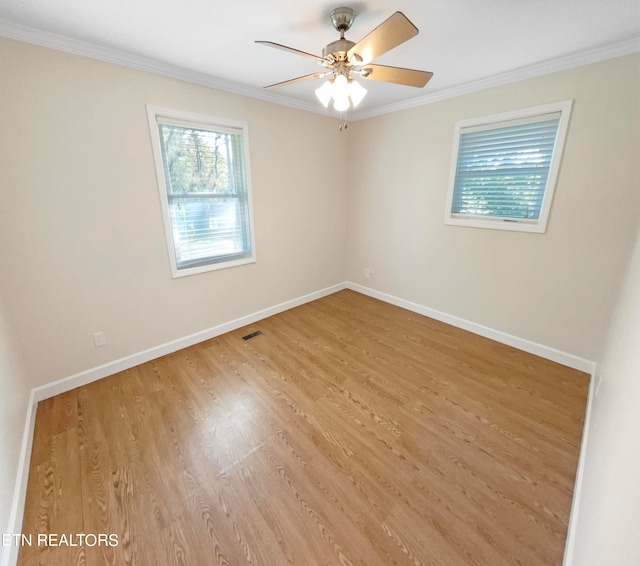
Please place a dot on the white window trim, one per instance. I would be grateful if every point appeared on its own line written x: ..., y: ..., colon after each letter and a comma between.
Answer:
x: 202, y: 121
x: 512, y: 224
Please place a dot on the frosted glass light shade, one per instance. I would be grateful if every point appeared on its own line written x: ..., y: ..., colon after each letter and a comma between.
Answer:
x: 341, y: 93
x: 356, y: 92
x: 344, y: 92
x: 325, y: 93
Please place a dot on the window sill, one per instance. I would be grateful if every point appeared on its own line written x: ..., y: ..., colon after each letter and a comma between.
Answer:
x: 509, y: 224
x: 186, y: 271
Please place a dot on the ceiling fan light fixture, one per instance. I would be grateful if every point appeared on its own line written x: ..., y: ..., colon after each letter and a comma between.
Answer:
x: 356, y: 92
x: 325, y: 93
x: 340, y: 87
x: 343, y: 90
x: 341, y: 103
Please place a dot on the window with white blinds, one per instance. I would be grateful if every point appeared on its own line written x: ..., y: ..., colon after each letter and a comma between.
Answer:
x: 504, y: 168
x: 202, y: 169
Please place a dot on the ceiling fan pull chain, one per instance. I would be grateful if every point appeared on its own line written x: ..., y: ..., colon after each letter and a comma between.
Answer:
x: 343, y: 120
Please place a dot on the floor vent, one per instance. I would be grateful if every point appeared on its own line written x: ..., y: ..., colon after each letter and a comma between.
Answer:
x: 252, y: 335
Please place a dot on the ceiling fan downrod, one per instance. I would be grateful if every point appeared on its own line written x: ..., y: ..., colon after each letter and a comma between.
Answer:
x: 342, y: 18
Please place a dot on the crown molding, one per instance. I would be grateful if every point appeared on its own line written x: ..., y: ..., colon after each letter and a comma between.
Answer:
x: 34, y: 36
x: 571, y: 61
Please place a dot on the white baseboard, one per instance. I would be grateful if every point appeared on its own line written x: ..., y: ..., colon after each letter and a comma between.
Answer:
x: 10, y: 553
x: 546, y: 352
x: 93, y: 374
x: 552, y: 354
x: 10, y: 556
x: 577, y: 487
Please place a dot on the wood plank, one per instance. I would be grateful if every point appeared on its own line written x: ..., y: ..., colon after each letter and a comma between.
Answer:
x: 349, y: 432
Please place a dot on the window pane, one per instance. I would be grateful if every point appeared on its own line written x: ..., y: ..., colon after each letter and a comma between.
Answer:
x: 503, y: 171
x: 205, y: 180
x: 198, y: 160
x: 205, y: 228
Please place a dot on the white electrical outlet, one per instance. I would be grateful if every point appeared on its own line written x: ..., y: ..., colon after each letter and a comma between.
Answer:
x: 99, y: 339
x: 368, y: 273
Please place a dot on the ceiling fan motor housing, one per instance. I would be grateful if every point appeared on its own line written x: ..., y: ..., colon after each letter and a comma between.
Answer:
x: 338, y: 48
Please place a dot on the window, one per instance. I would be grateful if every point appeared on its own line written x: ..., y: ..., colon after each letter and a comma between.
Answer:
x: 504, y: 168
x: 203, y: 178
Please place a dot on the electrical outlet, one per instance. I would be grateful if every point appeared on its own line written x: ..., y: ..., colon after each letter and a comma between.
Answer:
x: 368, y: 273
x: 99, y: 339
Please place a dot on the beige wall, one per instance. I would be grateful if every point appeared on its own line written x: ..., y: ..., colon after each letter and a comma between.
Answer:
x: 14, y: 398
x: 83, y: 241
x: 556, y: 289
x: 609, y: 512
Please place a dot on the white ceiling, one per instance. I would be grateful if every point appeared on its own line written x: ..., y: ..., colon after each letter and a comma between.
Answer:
x: 468, y: 44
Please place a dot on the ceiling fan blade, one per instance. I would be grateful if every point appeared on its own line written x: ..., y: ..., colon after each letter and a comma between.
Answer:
x: 389, y: 34
x: 398, y: 75
x: 292, y: 50
x: 297, y: 79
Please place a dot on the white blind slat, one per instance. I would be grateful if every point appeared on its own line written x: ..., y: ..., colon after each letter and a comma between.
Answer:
x: 502, y: 171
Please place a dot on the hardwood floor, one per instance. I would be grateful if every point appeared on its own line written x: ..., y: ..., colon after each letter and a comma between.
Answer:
x: 349, y: 432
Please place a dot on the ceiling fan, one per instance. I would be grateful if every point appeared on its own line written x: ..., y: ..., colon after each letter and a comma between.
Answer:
x: 343, y: 58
